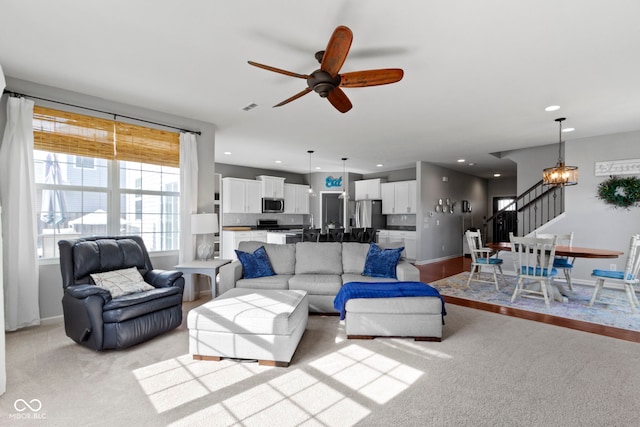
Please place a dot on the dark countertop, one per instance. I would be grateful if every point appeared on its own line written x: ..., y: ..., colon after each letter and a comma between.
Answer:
x: 271, y: 228
x: 401, y: 227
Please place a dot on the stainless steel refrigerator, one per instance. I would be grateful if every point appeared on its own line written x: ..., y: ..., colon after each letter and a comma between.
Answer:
x: 369, y: 214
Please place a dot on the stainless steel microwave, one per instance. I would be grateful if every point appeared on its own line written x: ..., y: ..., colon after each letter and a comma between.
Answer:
x: 270, y: 205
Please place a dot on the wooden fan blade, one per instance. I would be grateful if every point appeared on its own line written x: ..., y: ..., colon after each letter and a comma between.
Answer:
x: 371, y: 77
x: 337, y: 50
x: 278, y: 70
x: 339, y: 99
x: 294, y: 97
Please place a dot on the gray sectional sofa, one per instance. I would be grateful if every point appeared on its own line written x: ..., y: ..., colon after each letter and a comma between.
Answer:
x: 318, y: 268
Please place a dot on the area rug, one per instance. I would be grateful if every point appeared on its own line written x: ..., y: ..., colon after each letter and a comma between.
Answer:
x: 576, y: 308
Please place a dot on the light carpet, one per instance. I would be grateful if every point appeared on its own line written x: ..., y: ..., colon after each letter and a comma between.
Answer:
x: 576, y: 307
x: 489, y: 370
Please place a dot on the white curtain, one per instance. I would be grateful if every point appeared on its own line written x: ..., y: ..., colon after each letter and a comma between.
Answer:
x: 17, y: 196
x: 188, y: 194
x: 3, y: 363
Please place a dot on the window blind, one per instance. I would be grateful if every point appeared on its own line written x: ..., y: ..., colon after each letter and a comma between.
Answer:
x: 87, y: 136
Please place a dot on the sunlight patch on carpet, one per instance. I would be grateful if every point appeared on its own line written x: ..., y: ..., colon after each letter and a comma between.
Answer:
x: 376, y: 377
x: 292, y: 399
x: 175, y: 382
x: 577, y: 307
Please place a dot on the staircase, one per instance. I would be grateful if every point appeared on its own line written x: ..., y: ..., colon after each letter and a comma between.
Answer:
x: 530, y: 210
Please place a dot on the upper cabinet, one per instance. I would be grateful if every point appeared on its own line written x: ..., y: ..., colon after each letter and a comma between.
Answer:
x: 368, y: 189
x: 241, y: 196
x: 272, y: 186
x: 296, y: 199
x: 399, y: 197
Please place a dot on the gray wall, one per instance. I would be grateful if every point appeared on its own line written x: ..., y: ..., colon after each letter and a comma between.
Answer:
x: 50, y: 280
x: 244, y: 172
x: 440, y: 236
x: 407, y: 174
x: 593, y: 222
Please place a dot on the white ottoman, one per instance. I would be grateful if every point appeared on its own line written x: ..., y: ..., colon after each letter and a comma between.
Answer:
x: 266, y: 325
x: 419, y: 317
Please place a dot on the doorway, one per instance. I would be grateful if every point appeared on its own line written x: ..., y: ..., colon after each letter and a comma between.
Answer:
x: 332, y: 208
x: 507, y: 221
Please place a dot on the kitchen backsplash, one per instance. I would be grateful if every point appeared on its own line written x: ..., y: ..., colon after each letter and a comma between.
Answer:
x: 401, y: 220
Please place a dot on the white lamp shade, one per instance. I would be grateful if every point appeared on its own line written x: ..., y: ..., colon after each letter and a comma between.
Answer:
x: 204, y: 223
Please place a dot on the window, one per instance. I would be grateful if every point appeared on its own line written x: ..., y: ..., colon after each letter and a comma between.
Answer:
x: 101, y: 177
x: 506, y: 203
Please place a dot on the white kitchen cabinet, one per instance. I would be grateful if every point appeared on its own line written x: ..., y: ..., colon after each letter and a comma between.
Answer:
x: 408, y: 239
x: 382, y: 237
x: 296, y: 199
x: 241, y: 196
x: 368, y: 189
x: 399, y: 197
x: 388, y: 196
x: 272, y: 186
x: 277, y: 238
x: 400, y: 237
x: 231, y: 239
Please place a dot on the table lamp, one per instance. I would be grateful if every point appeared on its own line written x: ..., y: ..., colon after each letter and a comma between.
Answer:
x: 204, y: 224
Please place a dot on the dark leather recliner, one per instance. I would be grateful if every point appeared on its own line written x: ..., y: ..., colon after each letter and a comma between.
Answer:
x: 92, y: 317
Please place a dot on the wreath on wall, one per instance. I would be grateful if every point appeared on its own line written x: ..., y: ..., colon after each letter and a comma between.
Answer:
x: 620, y: 192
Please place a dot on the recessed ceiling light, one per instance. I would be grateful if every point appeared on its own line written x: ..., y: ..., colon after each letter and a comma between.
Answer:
x: 318, y: 168
x: 379, y: 165
x: 471, y: 164
x: 278, y: 161
x: 460, y: 160
x: 228, y: 153
x: 552, y: 108
x: 568, y: 129
x: 496, y: 175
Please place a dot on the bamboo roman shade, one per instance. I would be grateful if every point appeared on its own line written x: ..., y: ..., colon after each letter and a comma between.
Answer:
x: 80, y: 135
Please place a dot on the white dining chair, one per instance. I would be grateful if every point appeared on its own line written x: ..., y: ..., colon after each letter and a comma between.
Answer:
x: 627, y: 278
x: 482, y: 257
x: 533, y: 262
x: 562, y: 262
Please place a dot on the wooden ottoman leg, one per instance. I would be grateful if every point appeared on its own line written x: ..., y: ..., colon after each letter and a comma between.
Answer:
x: 212, y: 358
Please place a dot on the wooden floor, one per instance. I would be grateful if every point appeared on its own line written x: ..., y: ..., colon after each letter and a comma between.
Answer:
x: 440, y: 270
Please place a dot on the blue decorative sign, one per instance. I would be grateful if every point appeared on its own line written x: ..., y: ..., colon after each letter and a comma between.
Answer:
x: 331, y: 182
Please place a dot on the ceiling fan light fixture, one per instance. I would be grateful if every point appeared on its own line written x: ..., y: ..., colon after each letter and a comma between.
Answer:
x: 560, y: 175
x: 327, y: 81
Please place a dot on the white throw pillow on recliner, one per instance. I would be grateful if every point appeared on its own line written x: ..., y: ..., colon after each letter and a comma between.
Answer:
x: 121, y: 282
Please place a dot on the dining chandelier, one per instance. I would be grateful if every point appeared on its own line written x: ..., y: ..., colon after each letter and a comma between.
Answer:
x: 560, y: 175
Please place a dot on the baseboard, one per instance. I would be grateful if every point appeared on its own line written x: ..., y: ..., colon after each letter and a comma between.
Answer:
x: 52, y: 320
x: 431, y: 261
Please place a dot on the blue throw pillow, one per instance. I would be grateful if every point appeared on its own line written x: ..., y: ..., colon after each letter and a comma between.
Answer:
x: 256, y: 264
x: 382, y: 262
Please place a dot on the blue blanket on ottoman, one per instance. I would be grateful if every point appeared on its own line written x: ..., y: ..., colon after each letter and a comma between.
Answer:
x: 382, y: 290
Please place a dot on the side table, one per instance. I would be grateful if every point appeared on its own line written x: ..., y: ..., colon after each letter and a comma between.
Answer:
x: 208, y: 268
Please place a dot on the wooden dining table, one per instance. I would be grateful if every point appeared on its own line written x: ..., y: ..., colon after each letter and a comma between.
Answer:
x: 570, y: 251
x: 559, y: 293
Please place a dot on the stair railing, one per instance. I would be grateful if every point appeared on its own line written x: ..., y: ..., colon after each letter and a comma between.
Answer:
x: 536, y: 206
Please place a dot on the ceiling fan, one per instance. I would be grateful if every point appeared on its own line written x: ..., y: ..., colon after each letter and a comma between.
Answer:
x: 327, y: 81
